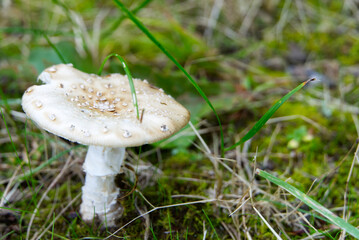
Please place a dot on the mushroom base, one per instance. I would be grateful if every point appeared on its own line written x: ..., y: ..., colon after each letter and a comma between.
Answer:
x: 99, y: 197
x: 99, y: 194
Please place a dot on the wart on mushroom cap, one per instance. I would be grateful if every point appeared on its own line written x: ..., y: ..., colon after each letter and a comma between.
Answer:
x: 92, y: 110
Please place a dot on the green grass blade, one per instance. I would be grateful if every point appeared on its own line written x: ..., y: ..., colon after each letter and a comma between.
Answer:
x: 33, y: 31
x: 55, y: 49
x: 53, y: 227
x: 15, y: 210
x: 159, y: 45
x: 316, y: 206
x: 7, y: 235
x: 210, y: 223
x: 268, y: 115
x: 169, y: 223
x: 153, y: 233
x: 129, y: 76
x: 120, y: 19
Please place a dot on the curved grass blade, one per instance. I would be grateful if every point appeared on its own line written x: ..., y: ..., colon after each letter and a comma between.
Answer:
x: 268, y: 115
x: 316, y: 206
x: 142, y: 27
x: 129, y: 76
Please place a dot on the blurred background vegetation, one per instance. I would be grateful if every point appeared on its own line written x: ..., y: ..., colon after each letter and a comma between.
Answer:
x: 245, y: 55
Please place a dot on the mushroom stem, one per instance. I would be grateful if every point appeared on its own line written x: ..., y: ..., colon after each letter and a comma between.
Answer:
x: 99, y: 194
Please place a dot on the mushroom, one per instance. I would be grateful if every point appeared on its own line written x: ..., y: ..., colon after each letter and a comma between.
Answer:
x: 98, y: 112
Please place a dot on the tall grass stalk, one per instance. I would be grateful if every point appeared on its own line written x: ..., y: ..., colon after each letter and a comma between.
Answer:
x: 142, y: 27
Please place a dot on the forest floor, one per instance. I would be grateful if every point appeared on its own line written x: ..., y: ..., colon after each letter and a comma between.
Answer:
x: 245, y: 56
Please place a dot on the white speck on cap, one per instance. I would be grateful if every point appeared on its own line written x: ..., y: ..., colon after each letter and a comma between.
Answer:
x: 111, y: 121
x: 38, y: 104
x: 126, y: 134
x: 164, y: 128
x: 52, y: 117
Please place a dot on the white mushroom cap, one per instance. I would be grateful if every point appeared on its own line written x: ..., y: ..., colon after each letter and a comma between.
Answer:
x: 93, y: 110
